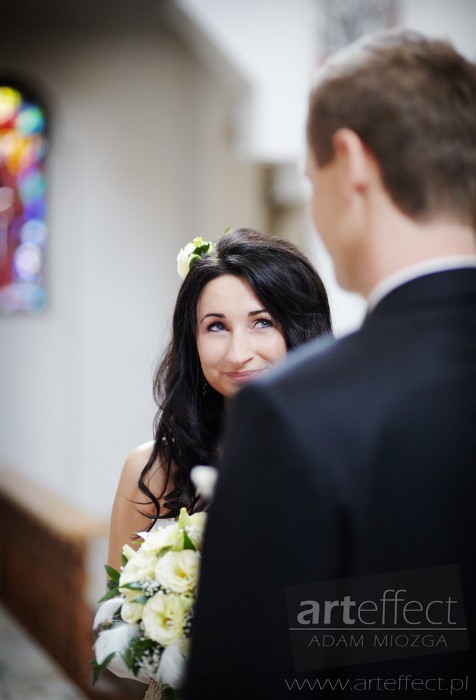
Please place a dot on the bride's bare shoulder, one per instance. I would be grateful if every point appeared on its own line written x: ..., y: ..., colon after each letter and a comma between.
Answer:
x: 139, y: 456
x: 134, y: 464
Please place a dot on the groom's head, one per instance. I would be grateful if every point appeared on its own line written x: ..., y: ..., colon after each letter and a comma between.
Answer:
x: 412, y: 101
x: 397, y: 110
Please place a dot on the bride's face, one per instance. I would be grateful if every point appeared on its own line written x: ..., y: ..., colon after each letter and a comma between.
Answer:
x: 237, y: 339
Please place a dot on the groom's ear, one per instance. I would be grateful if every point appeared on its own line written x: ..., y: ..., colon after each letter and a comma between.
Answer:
x: 355, y: 160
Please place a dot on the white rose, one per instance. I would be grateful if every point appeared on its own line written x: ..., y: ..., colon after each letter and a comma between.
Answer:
x: 178, y: 571
x: 163, y: 617
x: 131, y: 612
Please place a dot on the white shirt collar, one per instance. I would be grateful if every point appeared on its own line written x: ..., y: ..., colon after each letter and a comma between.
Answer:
x: 417, y: 270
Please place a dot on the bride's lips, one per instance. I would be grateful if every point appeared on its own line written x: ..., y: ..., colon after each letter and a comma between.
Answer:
x: 242, y: 377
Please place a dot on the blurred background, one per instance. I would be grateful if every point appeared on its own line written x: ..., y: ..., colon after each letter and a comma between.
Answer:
x: 149, y: 122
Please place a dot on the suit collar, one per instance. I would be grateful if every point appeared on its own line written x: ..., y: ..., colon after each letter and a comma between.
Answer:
x: 417, y: 270
x: 435, y: 288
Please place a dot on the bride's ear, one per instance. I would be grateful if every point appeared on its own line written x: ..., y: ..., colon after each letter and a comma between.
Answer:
x: 354, y: 160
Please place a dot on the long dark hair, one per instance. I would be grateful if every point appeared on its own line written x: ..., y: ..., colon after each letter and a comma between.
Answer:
x: 188, y: 423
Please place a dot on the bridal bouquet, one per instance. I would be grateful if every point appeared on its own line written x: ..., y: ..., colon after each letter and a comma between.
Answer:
x: 143, y: 624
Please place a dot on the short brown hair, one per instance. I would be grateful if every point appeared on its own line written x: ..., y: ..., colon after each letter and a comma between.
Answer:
x: 412, y: 101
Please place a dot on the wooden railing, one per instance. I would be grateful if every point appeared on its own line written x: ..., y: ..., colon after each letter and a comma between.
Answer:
x: 44, y: 545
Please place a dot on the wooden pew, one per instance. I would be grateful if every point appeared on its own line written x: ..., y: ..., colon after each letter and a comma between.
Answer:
x: 44, y: 550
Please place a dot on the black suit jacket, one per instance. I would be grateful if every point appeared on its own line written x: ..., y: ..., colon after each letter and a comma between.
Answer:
x: 355, y: 458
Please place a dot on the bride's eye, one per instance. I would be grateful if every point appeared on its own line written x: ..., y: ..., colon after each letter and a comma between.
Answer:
x: 216, y: 327
x: 264, y: 323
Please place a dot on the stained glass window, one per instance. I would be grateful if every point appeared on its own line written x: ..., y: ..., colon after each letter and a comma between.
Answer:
x: 23, y: 147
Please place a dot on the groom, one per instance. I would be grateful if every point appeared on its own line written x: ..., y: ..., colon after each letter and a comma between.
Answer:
x: 341, y: 544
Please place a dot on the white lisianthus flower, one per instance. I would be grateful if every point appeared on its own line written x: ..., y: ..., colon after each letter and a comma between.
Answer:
x: 139, y: 568
x: 198, y: 519
x: 131, y: 612
x: 163, y: 617
x: 178, y: 571
x: 155, y: 540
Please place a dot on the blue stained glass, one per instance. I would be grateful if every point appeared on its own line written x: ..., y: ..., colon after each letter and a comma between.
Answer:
x: 31, y: 186
x: 30, y: 120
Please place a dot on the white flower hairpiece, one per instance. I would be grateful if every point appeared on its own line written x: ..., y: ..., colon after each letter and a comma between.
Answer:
x: 192, y: 252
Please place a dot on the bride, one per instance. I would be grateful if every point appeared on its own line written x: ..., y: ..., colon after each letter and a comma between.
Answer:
x: 243, y: 304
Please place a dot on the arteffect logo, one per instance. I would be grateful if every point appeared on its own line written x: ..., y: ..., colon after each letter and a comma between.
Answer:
x: 373, y: 618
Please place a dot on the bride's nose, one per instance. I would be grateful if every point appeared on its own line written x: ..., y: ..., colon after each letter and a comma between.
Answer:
x: 240, y: 348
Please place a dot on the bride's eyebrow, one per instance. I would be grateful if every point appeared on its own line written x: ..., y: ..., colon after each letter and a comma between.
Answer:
x: 213, y: 315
